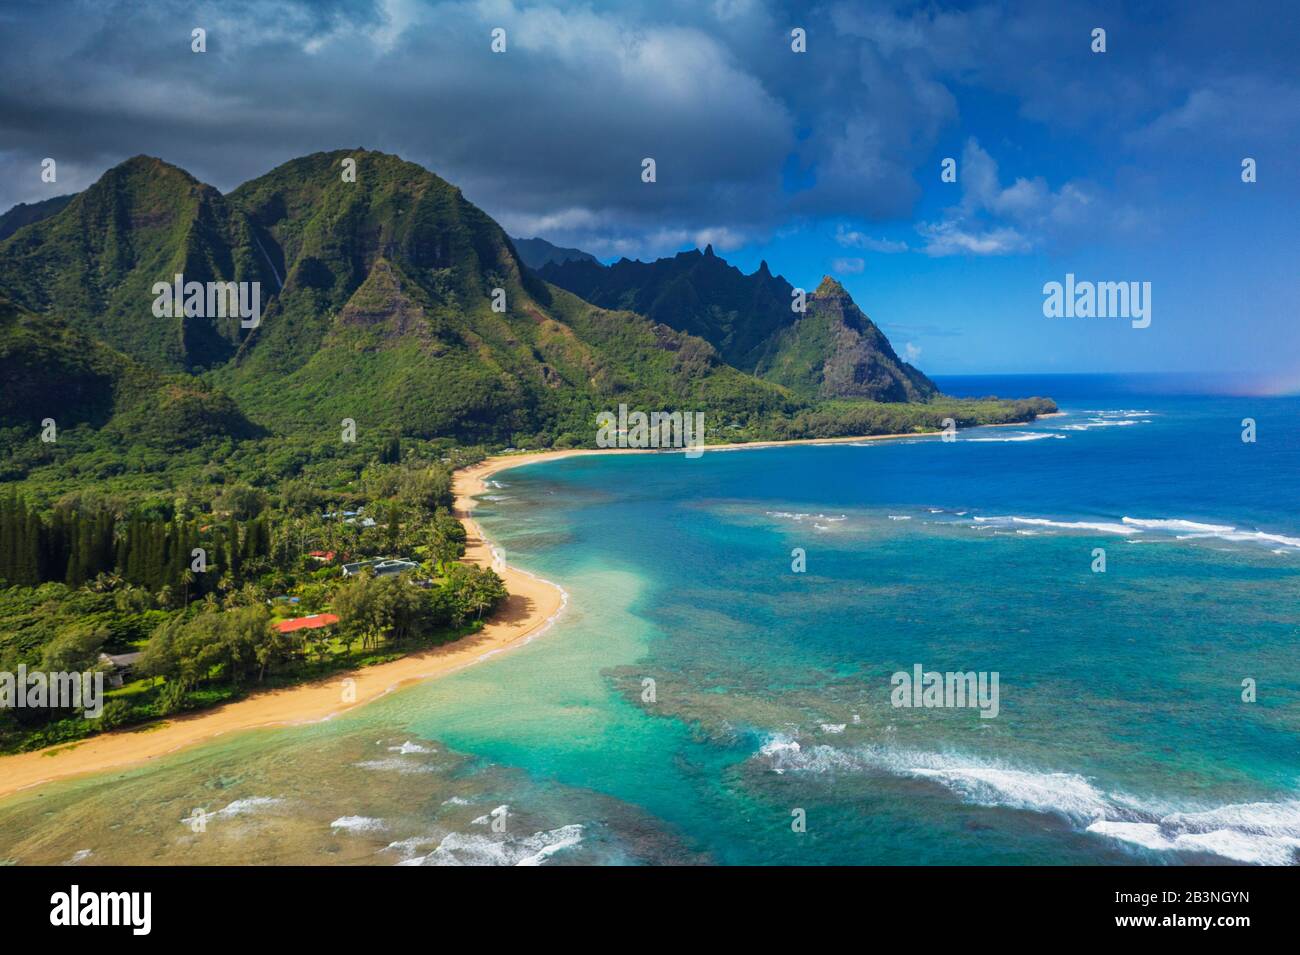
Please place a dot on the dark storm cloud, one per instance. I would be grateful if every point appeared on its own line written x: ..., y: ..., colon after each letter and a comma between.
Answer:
x: 549, y: 136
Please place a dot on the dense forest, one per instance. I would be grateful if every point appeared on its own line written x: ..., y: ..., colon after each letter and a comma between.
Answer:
x: 195, y: 577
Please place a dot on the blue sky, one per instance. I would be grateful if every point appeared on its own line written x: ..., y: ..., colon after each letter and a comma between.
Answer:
x: 1115, y: 166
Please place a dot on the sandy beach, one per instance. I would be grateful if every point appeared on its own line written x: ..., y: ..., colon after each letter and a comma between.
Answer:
x: 532, y: 606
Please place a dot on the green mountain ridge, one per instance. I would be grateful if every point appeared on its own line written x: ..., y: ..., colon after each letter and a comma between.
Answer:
x: 395, y: 302
x: 95, y: 262
x: 51, y: 370
x: 831, y: 350
x: 537, y: 252
x: 386, y: 317
x: 26, y: 213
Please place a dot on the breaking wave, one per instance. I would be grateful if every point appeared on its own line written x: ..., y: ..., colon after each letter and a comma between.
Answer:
x: 1262, y: 833
x: 459, y: 848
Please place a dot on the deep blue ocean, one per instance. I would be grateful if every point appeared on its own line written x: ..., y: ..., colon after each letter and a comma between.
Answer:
x: 719, y: 688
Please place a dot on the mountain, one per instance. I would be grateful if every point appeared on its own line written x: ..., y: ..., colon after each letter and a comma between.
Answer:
x: 832, y: 350
x: 835, y: 351
x: 389, y: 299
x: 51, y: 370
x: 27, y: 213
x: 377, y: 305
x: 538, y: 252
x: 95, y: 262
x: 386, y: 316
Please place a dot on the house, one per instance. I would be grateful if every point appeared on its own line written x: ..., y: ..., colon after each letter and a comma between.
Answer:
x: 322, y: 556
x: 121, y: 666
x: 312, y: 622
x: 382, y: 566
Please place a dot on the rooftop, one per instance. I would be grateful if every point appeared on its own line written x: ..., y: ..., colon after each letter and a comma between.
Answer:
x: 313, y: 622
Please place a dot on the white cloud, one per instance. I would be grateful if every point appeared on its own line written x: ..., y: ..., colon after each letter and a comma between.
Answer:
x: 853, y: 239
x: 952, y: 238
x: 848, y: 266
x: 992, y: 219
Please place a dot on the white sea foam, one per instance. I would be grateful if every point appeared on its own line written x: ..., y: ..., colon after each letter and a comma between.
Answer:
x: 473, y: 849
x: 359, y: 824
x: 395, y: 764
x: 899, y: 517
x: 1165, y: 529
x: 833, y: 727
x: 408, y: 847
x: 1103, y: 423
x: 1177, y: 525
x: 801, y: 516
x: 248, y: 806
x: 487, y: 818
x: 411, y: 747
x: 1264, y: 833
x: 1103, y: 526
x: 1194, y: 530
x: 1026, y: 436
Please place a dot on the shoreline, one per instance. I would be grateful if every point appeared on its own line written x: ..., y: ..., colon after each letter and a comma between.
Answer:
x: 532, y: 607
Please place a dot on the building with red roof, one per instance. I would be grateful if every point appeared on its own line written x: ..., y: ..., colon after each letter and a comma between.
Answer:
x: 313, y: 622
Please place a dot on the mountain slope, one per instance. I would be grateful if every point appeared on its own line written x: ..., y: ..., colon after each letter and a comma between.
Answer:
x: 51, y: 370
x: 831, y: 351
x: 536, y: 253
x: 386, y: 317
x: 95, y: 262
x: 835, y: 351
x: 26, y: 213
x: 393, y: 301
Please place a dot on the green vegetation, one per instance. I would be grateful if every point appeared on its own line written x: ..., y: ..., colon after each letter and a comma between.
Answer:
x: 130, y: 444
x: 377, y: 307
x: 95, y: 261
x: 26, y: 213
x: 831, y: 350
x: 99, y: 573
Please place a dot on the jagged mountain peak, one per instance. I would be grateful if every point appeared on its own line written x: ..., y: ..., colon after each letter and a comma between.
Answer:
x: 829, y: 288
x: 831, y: 351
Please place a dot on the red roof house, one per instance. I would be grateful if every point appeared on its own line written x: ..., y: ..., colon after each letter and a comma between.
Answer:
x: 312, y: 622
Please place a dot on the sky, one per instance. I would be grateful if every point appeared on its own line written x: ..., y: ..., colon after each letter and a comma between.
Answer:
x: 1115, y: 166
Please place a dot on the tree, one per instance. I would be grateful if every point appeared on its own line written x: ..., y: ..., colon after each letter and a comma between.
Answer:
x: 75, y: 650
x: 232, y: 644
x: 472, y: 590
x: 446, y: 539
x: 354, y: 603
x: 487, y: 589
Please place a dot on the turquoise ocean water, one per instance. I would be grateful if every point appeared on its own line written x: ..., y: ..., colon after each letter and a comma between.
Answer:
x: 699, y: 698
